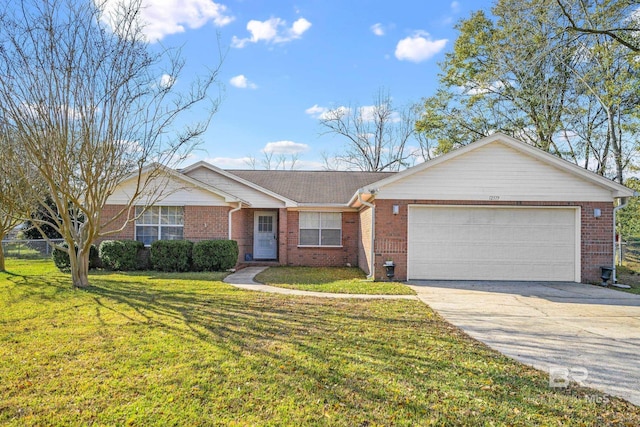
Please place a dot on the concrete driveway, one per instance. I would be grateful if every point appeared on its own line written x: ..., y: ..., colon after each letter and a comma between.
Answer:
x: 573, y: 331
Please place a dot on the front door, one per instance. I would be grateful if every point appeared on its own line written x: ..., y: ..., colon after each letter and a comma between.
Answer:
x: 265, y: 235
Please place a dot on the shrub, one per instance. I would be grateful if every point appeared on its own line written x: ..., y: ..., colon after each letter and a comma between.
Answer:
x: 215, y: 255
x: 61, y: 258
x: 122, y: 255
x: 171, y: 255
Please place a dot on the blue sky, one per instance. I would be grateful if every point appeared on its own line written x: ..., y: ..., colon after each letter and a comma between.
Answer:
x: 287, y: 61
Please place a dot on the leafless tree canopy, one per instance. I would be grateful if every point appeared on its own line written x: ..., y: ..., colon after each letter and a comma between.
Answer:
x: 376, y: 136
x: 91, y: 103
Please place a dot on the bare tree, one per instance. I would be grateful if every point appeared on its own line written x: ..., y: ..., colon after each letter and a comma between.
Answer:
x: 13, y: 187
x: 271, y: 161
x: 376, y: 135
x: 92, y: 103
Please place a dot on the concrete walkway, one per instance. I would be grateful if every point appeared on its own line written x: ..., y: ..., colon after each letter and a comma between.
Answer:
x: 573, y: 331
x: 243, y: 279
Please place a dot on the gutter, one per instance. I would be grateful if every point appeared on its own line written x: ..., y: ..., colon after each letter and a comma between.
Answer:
x: 230, y: 221
x: 373, y: 230
x: 623, y: 202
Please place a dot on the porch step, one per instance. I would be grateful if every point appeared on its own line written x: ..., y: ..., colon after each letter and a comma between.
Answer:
x: 246, y: 264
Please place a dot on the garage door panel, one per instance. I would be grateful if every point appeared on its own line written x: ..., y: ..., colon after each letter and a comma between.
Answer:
x: 492, y: 243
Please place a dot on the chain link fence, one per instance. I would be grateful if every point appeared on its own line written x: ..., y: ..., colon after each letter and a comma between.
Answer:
x: 28, y: 249
x: 630, y: 251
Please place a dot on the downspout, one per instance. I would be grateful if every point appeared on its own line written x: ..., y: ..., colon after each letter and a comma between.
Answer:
x: 230, y: 221
x: 373, y: 232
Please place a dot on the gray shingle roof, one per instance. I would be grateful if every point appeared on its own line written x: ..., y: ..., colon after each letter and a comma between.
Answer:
x: 330, y: 187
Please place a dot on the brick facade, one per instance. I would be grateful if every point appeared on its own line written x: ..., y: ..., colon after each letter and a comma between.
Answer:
x: 200, y: 223
x: 126, y: 230
x: 206, y: 223
x: 211, y: 222
x: 391, y: 233
x: 319, y: 256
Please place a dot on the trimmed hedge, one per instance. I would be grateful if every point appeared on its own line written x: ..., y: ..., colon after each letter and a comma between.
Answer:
x: 122, y: 255
x: 171, y: 255
x: 61, y: 258
x: 215, y: 255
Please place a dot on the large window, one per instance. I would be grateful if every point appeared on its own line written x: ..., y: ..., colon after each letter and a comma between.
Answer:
x: 159, y: 223
x: 320, y: 229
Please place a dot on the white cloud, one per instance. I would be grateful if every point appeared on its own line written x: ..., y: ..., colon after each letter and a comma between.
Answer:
x: 300, y: 27
x: 377, y: 29
x: 455, y: 6
x: 316, y: 111
x: 166, y: 81
x: 324, y: 113
x: 240, y: 81
x: 285, y: 147
x: 230, y: 162
x: 272, y: 30
x: 418, y: 47
x: 160, y: 18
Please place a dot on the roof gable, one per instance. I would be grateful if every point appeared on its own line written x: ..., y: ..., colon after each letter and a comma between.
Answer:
x: 165, y: 185
x: 258, y: 196
x: 499, y: 168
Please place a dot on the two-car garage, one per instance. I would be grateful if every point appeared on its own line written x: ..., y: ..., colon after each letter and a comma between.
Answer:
x: 496, y: 209
x: 493, y: 243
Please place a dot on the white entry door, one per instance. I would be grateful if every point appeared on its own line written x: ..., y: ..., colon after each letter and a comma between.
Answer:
x: 265, y: 236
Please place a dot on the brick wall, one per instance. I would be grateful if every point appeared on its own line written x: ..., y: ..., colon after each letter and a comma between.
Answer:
x: 323, y: 257
x: 200, y: 223
x: 242, y: 231
x: 206, y: 222
x: 391, y: 234
x: 110, y: 211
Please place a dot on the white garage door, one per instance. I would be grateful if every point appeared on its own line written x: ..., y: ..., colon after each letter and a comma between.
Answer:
x: 493, y: 243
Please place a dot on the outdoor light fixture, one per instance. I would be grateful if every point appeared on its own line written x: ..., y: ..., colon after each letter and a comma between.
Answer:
x: 396, y: 209
x: 597, y: 213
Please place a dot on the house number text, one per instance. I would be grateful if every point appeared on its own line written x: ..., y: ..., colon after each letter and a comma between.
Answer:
x: 494, y: 197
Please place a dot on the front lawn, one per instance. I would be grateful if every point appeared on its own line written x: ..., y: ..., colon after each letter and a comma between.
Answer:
x: 340, y: 280
x: 159, y: 349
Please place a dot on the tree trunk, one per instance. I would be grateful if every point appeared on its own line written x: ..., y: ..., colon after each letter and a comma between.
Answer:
x: 2, y: 266
x: 617, y: 148
x: 79, y: 268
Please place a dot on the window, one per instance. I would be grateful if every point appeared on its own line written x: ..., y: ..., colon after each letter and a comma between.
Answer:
x: 159, y: 223
x: 320, y: 229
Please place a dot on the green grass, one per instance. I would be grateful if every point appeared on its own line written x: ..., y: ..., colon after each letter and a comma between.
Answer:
x: 629, y: 274
x: 340, y: 280
x: 159, y: 349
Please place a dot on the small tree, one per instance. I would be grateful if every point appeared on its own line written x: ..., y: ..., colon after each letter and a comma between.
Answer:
x: 91, y: 103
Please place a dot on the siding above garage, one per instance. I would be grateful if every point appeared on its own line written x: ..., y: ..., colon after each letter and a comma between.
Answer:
x: 495, y: 172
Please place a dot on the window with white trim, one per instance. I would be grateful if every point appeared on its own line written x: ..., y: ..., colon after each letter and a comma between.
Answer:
x: 320, y: 229
x: 159, y: 223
